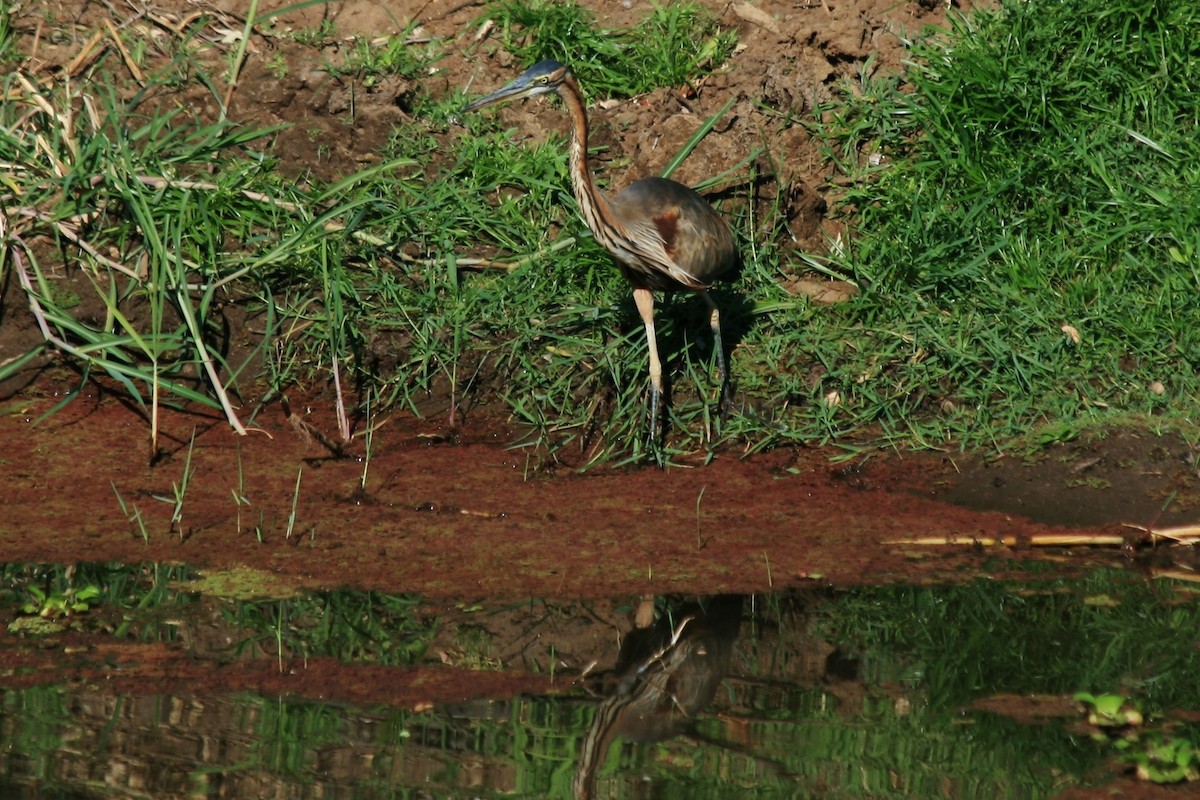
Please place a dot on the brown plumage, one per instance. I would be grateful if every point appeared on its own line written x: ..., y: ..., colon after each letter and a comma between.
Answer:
x: 663, y: 235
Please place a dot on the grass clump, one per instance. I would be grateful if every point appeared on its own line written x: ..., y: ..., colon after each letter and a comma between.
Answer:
x: 171, y: 225
x: 674, y: 44
x: 104, y: 184
x: 1026, y: 222
x: 405, y: 55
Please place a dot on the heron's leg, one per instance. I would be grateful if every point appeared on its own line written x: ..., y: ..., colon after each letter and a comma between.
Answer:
x: 714, y: 322
x: 644, y: 300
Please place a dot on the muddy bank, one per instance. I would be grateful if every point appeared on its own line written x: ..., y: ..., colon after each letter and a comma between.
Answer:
x: 460, y: 513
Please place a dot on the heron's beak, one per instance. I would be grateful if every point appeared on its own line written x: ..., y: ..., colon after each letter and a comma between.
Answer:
x: 518, y: 88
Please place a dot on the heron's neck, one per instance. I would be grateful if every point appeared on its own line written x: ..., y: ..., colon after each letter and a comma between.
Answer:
x: 591, y: 202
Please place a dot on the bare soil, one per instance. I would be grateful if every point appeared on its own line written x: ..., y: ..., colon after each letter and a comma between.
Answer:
x: 458, y: 514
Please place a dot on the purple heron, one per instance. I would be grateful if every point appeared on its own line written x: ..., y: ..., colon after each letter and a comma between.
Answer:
x: 663, y: 235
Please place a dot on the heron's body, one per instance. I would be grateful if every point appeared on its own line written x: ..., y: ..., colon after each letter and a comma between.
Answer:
x: 664, y: 236
x: 682, y: 242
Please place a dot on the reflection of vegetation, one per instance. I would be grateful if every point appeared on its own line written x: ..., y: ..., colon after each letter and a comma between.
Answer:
x: 857, y: 720
x: 856, y: 693
x: 1164, y: 758
x: 130, y: 600
x: 883, y: 748
x: 372, y: 627
x: 956, y: 644
x: 1160, y: 753
x: 61, y: 604
x: 48, y: 608
x: 1109, y: 710
x: 1050, y: 636
x: 115, y: 593
x: 41, y: 714
x: 241, y: 583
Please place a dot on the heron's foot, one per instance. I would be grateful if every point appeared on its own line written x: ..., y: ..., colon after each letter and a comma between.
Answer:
x: 654, y: 424
x: 725, y: 402
x: 725, y: 405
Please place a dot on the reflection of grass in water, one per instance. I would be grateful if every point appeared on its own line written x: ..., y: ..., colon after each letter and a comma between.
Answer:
x: 1110, y: 629
x: 350, y: 626
x: 532, y: 743
x: 266, y: 615
x: 782, y: 731
x: 122, y: 599
x: 927, y: 650
x: 925, y: 653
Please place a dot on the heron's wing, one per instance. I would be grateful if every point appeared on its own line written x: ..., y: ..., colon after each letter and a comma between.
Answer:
x: 677, y: 232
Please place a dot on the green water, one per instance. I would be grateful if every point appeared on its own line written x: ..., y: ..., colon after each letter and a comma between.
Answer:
x: 868, y: 692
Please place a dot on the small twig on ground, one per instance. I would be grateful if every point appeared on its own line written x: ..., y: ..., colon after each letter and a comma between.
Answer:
x: 1184, y: 534
x: 1038, y: 540
x: 130, y: 64
x: 340, y: 401
x: 239, y: 58
x: 1175, y: 574
x: 85, y: 56
x: 307, y: 431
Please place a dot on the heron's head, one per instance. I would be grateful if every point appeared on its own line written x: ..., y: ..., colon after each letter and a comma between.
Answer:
x: 541, y: 78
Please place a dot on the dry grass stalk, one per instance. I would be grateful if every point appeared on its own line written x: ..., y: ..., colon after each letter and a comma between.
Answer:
x: 1038, y: 540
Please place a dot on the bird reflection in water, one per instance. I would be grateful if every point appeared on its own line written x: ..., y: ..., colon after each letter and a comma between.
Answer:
x: 667, y: 671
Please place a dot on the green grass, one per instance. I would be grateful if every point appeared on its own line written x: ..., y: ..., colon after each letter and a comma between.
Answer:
x: 1041, y: 173
x: 101, y: 182
x: 1032, y: 178
x: 669, y: 47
